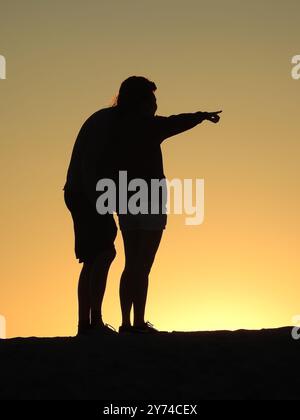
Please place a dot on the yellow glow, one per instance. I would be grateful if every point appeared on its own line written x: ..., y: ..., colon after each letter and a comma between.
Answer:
x: 240, y: 269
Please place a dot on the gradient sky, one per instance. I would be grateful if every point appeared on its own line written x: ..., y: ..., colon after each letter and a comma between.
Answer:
x: 66, y: 59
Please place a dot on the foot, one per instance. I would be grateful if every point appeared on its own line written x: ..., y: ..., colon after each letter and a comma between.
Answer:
x: 145, y: 328
x: 83, y: 331
x: 83, y: 328
x: 102, y: 329
x: 123, y: 329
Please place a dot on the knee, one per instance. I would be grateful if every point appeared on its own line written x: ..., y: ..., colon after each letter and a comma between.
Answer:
x: 106, y: 256
x: 110, y: 255
x: 137, y: 270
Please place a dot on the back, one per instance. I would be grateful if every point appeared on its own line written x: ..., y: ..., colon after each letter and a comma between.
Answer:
x: 89, y: 152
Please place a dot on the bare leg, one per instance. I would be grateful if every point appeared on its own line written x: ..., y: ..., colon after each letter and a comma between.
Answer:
x: 91, y: 289
x: 126, y: 297
x: 97, y: 281
x: 140, y: 299
x: 140, y: 250
x: 149, y: 244
x: 84, y: 298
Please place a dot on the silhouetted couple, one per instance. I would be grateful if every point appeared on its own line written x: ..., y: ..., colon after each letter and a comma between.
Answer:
x: 124, y: 137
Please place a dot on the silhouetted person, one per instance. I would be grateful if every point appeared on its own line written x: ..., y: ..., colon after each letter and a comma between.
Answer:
x: 94, y: 233
x: 125, y: 137
x: 136, y: 148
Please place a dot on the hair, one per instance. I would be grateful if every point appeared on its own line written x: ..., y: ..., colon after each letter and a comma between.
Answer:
x: 134, y: 91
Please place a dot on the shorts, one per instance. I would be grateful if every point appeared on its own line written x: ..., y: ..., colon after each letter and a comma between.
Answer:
x: 142, y: 221
x: 94, y: 233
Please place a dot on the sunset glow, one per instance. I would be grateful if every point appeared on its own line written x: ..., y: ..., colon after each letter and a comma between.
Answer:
x: 64, y: 60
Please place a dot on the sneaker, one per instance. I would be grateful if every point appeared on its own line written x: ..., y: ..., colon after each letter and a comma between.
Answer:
x: 83, y: 331
x: 146, y: 328
x: 123, y: 329
x: 104, y: 329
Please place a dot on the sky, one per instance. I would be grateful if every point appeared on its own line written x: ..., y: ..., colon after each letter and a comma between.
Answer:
x: 65, y: 60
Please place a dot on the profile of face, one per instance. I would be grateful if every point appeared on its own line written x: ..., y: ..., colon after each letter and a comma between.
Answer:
x: 149, y: 107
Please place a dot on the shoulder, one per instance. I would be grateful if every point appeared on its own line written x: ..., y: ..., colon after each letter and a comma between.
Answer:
x: 101, y: 115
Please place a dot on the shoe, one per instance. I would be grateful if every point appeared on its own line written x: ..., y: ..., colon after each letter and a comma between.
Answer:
x: 100, y: 329
x: 146, y: 328
x: 83, y: 332
x: 123, y: 329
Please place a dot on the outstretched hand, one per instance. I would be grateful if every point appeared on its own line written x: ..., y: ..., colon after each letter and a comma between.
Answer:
x: 213, y: 116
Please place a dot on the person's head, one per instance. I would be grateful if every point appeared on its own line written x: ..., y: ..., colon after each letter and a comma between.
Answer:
x: 137, y: 94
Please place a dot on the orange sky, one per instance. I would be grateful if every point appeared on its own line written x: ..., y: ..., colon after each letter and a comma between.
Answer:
x: 240, y: 269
